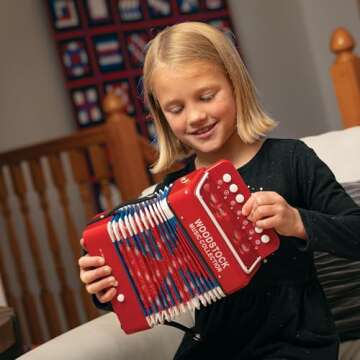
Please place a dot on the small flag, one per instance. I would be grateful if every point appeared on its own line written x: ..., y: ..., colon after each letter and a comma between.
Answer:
x: 130, y: 10
x: 75, y: 59
x: 188, y: 6
x: 159, y: 8
x: 65, y: 14
x: 98, y: 12
x: 214, y: 4
x: 136, y: 43
x: 86, y: 101
x: 108, y: 53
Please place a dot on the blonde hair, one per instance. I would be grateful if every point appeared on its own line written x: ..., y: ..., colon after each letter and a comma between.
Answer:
x: 192, y: 42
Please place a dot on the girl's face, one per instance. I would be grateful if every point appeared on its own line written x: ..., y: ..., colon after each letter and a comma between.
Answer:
x: 198, y: 103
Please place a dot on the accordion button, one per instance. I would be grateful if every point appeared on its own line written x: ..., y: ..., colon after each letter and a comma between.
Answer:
x: 258, y: 230
x: 233, y: 188
x: 239, y: 198
x: 265, y: 239
x: 121, y: 298
x: 227, y: 178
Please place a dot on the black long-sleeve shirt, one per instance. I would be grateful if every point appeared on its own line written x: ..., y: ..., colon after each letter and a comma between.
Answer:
x: 283, y: 313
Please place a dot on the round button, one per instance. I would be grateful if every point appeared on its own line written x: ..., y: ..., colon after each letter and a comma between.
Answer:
x: 227, y: 178
x: 121, y: 298
x: 258, y: 230
x: 233, y: 188
x: 239, y: 198
x: 265, y: 239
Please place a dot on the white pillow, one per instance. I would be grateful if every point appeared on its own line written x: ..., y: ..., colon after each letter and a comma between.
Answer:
x: 340, y: 150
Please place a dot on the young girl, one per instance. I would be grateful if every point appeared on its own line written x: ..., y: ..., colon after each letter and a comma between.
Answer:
x: 205, y: 109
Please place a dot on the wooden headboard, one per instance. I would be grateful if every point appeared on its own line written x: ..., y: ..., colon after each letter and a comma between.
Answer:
x: 345, y: 73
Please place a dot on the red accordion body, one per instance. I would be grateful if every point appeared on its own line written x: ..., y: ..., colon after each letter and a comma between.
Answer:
x: 185, y: 246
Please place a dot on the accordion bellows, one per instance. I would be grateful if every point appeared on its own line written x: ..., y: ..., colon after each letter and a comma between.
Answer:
x: 181, y: 248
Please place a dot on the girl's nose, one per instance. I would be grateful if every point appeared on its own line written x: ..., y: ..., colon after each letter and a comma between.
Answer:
x: 196, y: 116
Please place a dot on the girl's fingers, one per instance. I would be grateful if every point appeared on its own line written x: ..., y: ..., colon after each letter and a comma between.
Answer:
x: 262, y: 212
x: 268, y: 223
x: 106, y: 295
x: 89, y: 276
x: 247, y: 208
x: 88, y: 262
x: 259, y: 199
x: 101, y: 285
x: 82, y: 243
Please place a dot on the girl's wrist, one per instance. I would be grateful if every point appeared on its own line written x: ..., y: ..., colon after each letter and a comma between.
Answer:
x: 299, y: 226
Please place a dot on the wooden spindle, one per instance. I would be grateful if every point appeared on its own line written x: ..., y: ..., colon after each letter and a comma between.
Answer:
x: 27, y: 297
x: 130, y: 176
x: 46, y: 295
x: 11, y: 301
x: 58, y: 176
x: 4, y: 279
x: 100, y: 165
x: 345, y: 73
x: 80, y: 171
x: 67, y: 297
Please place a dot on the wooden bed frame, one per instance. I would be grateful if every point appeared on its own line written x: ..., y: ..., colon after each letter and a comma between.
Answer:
x: 118, y: 157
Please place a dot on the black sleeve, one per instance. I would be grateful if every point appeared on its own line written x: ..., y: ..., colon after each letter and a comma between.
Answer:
x: 331, y: 218
x: 106, y: 307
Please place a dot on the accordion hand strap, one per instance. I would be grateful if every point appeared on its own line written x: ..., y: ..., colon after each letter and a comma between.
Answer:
x: 187, y: 330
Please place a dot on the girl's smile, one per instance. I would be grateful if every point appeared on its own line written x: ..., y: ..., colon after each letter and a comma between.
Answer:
x: 205, y: 132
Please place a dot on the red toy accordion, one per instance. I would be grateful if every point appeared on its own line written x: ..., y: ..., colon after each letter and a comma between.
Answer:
x: 183, y: 247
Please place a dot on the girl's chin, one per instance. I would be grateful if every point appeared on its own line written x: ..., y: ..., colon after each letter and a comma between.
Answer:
x: 207, y: 149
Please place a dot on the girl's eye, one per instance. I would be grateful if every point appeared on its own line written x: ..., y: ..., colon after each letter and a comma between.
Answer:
x: 175, y: 109
x: 207, y: 97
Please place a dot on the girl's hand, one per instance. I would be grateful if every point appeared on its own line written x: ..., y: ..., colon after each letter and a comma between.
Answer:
x: 268, y: 209
x: 97, y: 277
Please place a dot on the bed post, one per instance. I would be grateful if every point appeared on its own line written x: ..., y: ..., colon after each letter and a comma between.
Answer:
x: 128, y: 163
x: 345, y: 73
